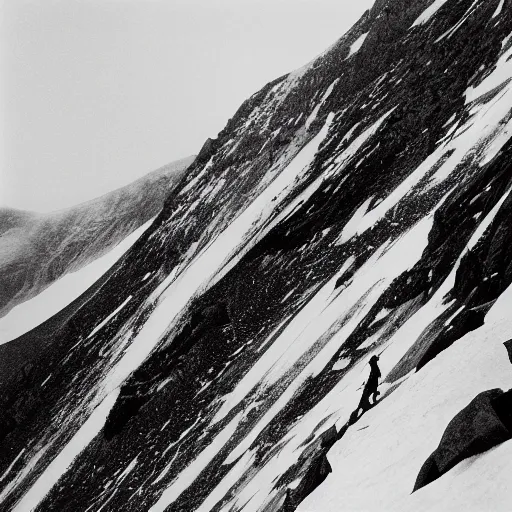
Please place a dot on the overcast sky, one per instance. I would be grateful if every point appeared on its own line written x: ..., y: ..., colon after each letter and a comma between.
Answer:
x: 96, y: 93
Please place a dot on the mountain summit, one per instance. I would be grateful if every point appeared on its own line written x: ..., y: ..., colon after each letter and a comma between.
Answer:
x: 358, y: 206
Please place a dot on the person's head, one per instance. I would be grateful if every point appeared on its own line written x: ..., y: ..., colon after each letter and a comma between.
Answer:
x: 374, y: 359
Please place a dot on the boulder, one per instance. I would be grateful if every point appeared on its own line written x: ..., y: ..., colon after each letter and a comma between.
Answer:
x: 317, y: 472
x: 428, y: 473
x: 502, y: 404
x: 508, y: 346
x: 329, y: 437
x: 478, y: 427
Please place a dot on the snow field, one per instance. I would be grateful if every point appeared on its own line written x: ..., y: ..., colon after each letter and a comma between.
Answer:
x: 375, y: 469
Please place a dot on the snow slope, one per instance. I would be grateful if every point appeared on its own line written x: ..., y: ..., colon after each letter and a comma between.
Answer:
x: 356, y: 206
x: 375, y: 468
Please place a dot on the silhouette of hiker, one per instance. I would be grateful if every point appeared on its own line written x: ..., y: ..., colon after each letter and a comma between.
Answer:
x: 370, y: 388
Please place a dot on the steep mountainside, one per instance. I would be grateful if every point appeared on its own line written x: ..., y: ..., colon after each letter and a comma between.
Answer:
x: 357, y: 206
x: 36, y: 249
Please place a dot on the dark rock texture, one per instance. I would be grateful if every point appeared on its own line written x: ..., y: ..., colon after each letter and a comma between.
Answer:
x: 481, y: 425
x: 342, y: 202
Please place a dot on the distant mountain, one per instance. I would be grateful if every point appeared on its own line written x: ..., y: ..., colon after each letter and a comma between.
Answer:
x: 360, y: 206
x: 37, y: 249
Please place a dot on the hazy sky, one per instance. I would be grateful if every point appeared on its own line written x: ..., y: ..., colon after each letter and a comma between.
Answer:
x: 96, y: 93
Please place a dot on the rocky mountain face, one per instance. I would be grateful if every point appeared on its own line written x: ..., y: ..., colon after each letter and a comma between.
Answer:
x: 357, y: 206
x: 37, y: 249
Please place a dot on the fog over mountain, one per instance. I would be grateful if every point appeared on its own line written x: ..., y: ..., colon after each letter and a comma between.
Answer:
x: 37, y: 249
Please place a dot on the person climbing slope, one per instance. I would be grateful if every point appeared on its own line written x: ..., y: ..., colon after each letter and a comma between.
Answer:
x: 370, y: 388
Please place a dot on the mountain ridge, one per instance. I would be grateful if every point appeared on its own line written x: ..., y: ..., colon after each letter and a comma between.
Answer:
x: 354, y: 207
x: 38, y: 248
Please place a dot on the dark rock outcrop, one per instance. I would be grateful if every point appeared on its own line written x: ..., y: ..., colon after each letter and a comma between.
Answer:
x: 468, y: 321
x: 508, y: 346
x: 484, y: 423
x: 317, y: 472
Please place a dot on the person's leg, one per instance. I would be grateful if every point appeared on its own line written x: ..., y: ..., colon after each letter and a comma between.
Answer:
x: 364, y: 404
x: 354, y: 416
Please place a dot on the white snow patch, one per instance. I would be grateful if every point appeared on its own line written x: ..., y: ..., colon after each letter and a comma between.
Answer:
x: 341, y: 364
x: 8, y: 470
x: 356, y: 45
x: 25, y: 471
x: 449, y: 321
x: 501, y: 308
x: 429, y: 12
x: 349, y: 262
x: 351, y: 227
x: 128, y: 469
x: 295, y: 483
x: 163, y: 384
x: 482, y: 137
x: 288, y: 295
x: 363, y: 220
x: 501, y: 73
x: 246, y: 230
x: 482, y: 227
x: 338, y: 165
x: 505, y: 41
x: 342, y: 160
x: 450, y: 121
x: 498, y: 10
x: 371, y: 340
x: 226, y: 483
x: 109, y: 317
x: 313, y: 114
x: 405, y: 430
x: 194, y: 181
x: 449, y: 33
x: 46, y: 380
x: 349, y: 134
x: 383, y: 313
x: 164, y: 472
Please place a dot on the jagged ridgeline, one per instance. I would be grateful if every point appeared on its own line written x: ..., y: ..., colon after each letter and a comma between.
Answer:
x: 357, y: 206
